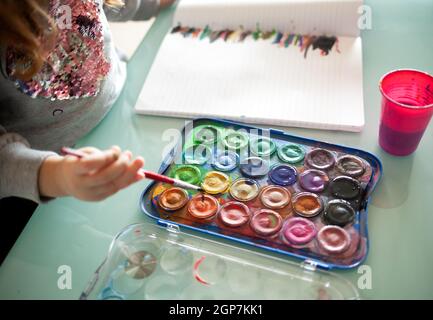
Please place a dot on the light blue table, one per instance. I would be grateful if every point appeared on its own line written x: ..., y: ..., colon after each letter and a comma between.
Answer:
x: 74, y: 233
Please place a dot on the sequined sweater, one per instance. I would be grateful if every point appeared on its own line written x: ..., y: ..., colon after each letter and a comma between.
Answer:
x: 62, y: 103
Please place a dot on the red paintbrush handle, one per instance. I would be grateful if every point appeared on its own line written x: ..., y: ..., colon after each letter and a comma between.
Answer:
x: 157, y: 177
x: 72, y: 152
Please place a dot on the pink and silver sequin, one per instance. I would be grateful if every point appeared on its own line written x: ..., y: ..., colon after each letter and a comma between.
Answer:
x: 77, y: 65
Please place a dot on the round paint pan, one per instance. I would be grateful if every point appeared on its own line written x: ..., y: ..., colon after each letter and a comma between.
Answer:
x: 266, y: 222
x: 339, y: 212
x: 215, y: 182
x: 262, y: 146
x: 187, y: 173
x: 225, y: 161
x: 275, y: 197
x: 203, y: 206
x: 234, y: 214
x: 347, y: 188
x: 198, y: 154
x: 235, y: 140
x: 207, y: 134
x: 320, y: 159
x: 307, y: 205
x: 291, y: 153
x: 313, y: 180
x: 298, y: 231
x: 173, y: 199
x: 283, y: 175
x: 244, y: 189
x: 350, y: 166
x: 254, y: 167
x: 333, y: 239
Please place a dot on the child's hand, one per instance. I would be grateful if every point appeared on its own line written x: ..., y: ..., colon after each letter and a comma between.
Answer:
x: 92, y: 178
x: 166, y: 3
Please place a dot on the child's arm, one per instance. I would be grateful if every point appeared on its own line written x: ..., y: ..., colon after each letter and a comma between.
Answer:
x: 19, y: 167
x: 136, y: 9
x: 35, y: 175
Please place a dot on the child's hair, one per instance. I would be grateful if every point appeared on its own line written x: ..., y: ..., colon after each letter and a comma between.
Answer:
x: 28, y: 29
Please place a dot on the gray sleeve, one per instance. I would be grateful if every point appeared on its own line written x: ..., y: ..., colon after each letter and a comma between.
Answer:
x: 133, y: 10
x: 19, y: 167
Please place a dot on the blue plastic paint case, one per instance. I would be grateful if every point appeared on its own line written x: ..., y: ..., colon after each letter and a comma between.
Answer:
x: 229, y: 137
x: 161, y: 261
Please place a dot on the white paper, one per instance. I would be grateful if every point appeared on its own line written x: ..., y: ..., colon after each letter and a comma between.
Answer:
x: 256, y: 82
x: 127, y: 36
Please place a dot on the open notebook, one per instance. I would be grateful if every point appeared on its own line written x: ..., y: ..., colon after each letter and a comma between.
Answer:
x: 275, y: 62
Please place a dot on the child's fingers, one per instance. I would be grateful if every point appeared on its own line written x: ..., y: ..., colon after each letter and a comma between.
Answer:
x: 130, y: 176
x: 139, y: 176
x: 129, y: 154
x: 93, y: 150
x: 109, y: 174
x: 97, y: 160
x: 105, y: 192
x: 89, y: 150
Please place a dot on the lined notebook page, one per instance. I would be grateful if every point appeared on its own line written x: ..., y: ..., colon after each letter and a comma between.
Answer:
x: 256, y: 82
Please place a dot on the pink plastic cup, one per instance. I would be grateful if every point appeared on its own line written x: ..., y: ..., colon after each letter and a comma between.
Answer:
x: 407, y: 107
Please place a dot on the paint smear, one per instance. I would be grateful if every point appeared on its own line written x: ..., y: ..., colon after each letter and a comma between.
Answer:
x: 196, y: 275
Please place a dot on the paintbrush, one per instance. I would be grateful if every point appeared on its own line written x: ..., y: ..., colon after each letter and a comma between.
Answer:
x: 148, y: 174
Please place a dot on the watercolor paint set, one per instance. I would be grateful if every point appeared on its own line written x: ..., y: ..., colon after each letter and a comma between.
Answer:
x: 261, y: 189
x: 285, y: 194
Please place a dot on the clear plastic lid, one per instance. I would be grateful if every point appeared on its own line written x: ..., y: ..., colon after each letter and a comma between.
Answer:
x: 148, y: 261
